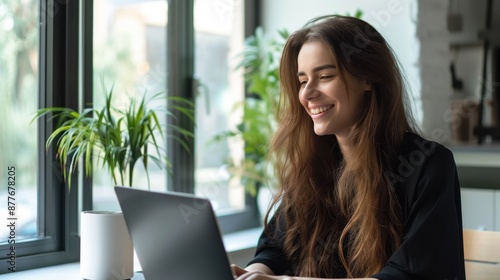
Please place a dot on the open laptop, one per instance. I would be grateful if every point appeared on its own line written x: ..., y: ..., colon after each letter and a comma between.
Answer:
x: 176, y: 236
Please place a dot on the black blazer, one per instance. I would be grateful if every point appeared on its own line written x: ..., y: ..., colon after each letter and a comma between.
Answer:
x: 428, y: 190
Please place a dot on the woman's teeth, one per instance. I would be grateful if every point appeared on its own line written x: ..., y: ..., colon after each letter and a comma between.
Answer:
x: 320, y: 110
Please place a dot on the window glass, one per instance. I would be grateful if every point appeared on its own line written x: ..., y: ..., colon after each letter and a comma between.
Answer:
x: 18, y: 138
x: 219, y: 27
x: 130, y: 51
x: 129, y: 54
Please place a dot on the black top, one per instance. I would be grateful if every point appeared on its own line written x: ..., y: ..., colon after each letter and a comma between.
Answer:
x: 428, y: 191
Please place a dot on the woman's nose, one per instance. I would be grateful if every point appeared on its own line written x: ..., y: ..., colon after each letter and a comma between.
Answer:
x: 310, y: 91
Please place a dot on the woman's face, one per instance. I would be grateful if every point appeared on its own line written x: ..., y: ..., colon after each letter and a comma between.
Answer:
x: 331, y: 102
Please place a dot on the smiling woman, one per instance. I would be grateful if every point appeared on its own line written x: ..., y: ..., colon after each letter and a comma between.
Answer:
x: 332, y: 100
x: 359, y: 194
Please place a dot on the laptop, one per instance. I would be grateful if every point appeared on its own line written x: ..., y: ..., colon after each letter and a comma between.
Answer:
x: 176, y: 236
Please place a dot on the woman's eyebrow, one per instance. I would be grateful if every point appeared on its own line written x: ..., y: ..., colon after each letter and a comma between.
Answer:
x: 318, y: 68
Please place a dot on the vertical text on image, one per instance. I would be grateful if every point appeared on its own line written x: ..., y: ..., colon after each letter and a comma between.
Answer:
x: 11, y: 218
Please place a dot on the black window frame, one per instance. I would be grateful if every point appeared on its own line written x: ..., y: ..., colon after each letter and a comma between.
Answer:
x: 58, y: 80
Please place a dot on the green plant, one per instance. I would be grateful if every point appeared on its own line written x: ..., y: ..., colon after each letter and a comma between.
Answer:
x: 118, y: 137
x: 260, y: 60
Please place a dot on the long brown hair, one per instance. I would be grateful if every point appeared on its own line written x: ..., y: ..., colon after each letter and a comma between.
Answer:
x: 336, y: 212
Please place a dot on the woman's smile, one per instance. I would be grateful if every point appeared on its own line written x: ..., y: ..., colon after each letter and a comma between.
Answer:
x: 320, y: 110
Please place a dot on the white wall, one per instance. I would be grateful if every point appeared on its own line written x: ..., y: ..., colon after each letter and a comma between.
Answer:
x: 435, y: 75
x: 394, y: 19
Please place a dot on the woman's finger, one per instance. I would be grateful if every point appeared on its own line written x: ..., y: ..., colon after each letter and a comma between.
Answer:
x: 238, y: 271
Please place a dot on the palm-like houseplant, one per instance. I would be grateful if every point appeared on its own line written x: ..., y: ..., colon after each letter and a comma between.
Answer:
x: 119, y: 138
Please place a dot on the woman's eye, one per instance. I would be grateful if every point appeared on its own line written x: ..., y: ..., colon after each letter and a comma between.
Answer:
x: 326, y: 77
x: 302, y: 83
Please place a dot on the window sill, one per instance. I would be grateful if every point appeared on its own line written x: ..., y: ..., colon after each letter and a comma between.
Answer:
x: 239, y: 245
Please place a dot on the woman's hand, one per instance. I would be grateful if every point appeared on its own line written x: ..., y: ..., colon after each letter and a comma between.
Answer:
x: 242, y: 274
x: 258, y: 271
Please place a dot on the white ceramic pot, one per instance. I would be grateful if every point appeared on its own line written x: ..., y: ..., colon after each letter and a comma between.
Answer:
x: 106, y: 250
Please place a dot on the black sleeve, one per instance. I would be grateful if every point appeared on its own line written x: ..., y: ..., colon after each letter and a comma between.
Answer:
x: 432, y: 246
x: 270, y: 250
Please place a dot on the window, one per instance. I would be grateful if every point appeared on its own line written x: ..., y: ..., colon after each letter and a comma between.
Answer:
x: 217, y: 29
x: 218, y: 39
x: 37, y: 70
x: 130, y: 51
x: 19, y: 71
x: 56, y: 55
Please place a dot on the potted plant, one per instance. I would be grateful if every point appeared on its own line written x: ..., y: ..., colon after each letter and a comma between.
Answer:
x: 119, y: 139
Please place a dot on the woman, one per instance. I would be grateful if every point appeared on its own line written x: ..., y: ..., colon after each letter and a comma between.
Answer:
x: 361, y: 194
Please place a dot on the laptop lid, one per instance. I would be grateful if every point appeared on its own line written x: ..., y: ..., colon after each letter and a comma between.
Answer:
x: 176, y: 236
